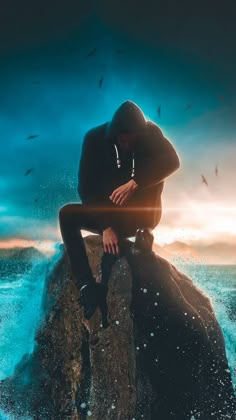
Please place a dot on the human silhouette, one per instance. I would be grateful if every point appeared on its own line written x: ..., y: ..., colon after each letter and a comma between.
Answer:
x: 123, y: 166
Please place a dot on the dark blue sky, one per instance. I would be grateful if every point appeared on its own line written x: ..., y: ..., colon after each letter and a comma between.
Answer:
x: 171, y: 55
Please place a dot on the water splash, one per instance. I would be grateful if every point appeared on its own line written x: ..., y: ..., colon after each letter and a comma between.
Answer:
x: 20, y: 312
x: 218, y: 282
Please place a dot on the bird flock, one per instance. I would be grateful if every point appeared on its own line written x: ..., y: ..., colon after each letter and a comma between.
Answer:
x: 204, y: 178
x: 92, y: 53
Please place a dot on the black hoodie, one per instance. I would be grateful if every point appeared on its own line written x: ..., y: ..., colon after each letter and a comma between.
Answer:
x: 154, y: 159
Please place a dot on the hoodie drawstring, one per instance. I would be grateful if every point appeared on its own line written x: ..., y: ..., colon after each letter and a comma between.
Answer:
x: 118, y: 161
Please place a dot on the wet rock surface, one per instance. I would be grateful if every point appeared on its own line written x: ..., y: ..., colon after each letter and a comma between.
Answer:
x: 162, y: 356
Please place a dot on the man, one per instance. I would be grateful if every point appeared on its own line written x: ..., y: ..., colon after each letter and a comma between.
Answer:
x: 121, y: 176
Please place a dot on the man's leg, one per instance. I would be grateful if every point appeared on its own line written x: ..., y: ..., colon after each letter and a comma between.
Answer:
x: 72, y: 218
x: 108, y: 260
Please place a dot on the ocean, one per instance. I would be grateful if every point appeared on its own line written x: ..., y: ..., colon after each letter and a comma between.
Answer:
x: 219, y: 284
x: 21, y: 289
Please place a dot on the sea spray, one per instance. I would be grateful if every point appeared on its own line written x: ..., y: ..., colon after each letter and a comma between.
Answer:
x: 218, y: 282
x: 20, y: 311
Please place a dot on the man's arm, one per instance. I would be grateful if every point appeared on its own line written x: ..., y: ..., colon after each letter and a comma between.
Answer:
x: 158, y: 161
x: 89, y: 186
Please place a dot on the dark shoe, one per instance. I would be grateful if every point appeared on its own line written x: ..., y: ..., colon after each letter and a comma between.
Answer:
x: 144, y: 240
x: 89, y: 299
x: 102, y: 303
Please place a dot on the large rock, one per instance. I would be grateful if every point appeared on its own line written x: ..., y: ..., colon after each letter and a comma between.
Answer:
x: 162, y: 356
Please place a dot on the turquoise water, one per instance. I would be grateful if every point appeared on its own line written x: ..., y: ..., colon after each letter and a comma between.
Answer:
x: 219, y: 284
x: 21, y: 288
x: 20, y: 298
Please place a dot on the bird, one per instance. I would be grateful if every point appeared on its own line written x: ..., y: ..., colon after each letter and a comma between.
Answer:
x: 204, y: 180
x: 28, y: 171
x: 216, y: 170
x: 92, y: 52
x: 32, y: 136
x: 101, y: 82
x: 188, y: 107
x: 159, y: 111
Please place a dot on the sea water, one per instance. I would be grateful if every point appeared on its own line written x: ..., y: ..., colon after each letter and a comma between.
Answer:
x: 21, y: 290
x: 218, y: 282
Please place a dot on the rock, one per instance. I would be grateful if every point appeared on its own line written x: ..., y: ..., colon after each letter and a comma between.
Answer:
x: 162, y: 356
x: 22, y: 254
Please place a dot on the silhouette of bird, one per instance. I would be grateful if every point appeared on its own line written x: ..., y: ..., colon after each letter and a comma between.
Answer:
x: 204, y: 180
x: 188, y: 107
x: 32, y: 136
x: 216, y: 170
x: 92, y: 52
x: 28, y: 171
x: 159, y: 111
x: 101, y: 82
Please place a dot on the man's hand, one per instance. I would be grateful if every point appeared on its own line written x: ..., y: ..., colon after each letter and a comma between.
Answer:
x: 110, y: 241
x: 121, y: 194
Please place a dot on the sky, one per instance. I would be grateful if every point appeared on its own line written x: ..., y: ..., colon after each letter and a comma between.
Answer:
x: 155, y: 53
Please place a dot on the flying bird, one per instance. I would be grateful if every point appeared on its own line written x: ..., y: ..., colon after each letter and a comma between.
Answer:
x: 188, y: 107
x: 92, y: 52
x: 159, y: 111
x: 101, y: 82
x: 32, y: 136
x: 216, y: 170
x: 28, y: 171
x: 204, y: 180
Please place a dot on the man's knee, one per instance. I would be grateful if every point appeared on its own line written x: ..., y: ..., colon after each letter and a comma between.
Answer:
x: 64, y: 210
x: 67, y: 210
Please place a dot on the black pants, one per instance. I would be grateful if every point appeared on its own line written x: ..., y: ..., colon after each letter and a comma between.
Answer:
x: 75, y: 216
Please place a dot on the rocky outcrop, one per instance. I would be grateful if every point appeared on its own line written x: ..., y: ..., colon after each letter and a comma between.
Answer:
x: 22, y: 254
x: 162, y: 356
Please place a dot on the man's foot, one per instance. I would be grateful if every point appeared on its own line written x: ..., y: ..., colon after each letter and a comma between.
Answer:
x: 144, y: 240
x: 89, y: 299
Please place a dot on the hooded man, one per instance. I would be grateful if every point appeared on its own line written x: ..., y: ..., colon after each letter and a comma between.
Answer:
x: 121, y: 176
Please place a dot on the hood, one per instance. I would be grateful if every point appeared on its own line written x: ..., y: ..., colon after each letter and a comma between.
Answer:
x: 128, y: 118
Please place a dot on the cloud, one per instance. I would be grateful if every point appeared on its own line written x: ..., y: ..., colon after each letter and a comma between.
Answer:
x: 62, y: 108
x: 27, y: 228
